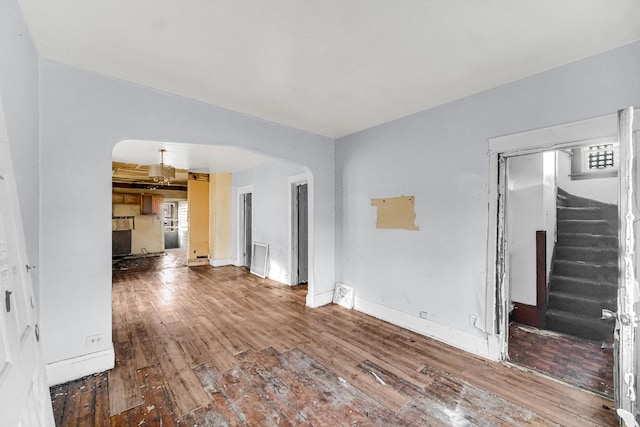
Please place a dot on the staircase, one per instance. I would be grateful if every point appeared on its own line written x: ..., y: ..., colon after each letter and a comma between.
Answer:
x: 584, y: 274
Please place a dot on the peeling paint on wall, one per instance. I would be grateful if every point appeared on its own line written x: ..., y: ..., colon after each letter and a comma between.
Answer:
x: 396, y: 212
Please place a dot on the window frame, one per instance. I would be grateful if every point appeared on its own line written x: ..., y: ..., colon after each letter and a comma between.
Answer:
x: 580, y: 162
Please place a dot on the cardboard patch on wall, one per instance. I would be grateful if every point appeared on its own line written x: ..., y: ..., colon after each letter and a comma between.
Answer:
x: 396, y: 212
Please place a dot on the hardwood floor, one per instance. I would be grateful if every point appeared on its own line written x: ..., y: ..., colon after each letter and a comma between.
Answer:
x: 218, y: 346
x: 574, y: 360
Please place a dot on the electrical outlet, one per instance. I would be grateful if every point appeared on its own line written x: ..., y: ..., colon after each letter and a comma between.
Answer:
x: 424, y: 314
x: 93, y: 341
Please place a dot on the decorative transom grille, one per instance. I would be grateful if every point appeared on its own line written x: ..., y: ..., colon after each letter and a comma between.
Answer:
x: 600, y: 156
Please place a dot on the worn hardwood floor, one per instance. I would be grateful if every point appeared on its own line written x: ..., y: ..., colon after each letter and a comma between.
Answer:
x: 574, y: 360
x: 218, y: 346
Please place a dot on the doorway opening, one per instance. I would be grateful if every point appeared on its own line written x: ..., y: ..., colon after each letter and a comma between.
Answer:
x: 245, y: 224
x: 600, y: 134
x: 299, y: 233
x: 175, y: 226
x: 561, y: 227
x: 225, y: 220
x: 171, y: 225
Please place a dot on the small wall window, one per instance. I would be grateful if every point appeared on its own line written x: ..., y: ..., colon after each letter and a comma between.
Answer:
x: 600, y: 156
x: 594, y: 161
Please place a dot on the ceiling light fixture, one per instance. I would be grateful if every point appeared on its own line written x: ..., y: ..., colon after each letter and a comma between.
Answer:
x: 161, y: 173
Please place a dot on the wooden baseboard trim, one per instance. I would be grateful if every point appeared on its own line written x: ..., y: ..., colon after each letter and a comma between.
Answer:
x: 533, y: 315
x: 527, y: 315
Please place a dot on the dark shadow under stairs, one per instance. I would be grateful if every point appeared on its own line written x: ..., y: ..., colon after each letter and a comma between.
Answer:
x: 584, y: 274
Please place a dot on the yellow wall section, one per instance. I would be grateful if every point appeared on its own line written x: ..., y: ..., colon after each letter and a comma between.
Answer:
x: 198, y: 199
x: 220, y: 199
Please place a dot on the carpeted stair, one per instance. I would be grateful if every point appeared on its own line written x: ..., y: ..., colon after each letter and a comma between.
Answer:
x: 584, y: 275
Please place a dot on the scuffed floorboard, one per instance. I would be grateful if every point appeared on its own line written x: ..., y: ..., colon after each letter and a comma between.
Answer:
x: 84, y: 402
x: 210, y: 346
x: 583, y: 363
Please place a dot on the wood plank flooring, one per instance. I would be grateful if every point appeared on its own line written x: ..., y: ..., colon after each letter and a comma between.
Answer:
x: 218, y: 346
x: 573, y: 360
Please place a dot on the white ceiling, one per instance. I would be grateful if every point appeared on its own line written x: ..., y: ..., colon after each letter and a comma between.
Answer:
x: 332, y: 67
x: 195, y: 158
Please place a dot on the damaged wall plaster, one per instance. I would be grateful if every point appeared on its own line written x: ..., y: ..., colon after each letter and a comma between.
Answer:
x: 396, y: 212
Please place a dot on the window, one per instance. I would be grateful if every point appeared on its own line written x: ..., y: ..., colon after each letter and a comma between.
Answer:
x: 600, y: 156
x: 170, y: 216
x: 594, y: 161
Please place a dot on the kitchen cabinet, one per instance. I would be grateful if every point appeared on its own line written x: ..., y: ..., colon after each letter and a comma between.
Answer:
x: 150, y: 204
x: 131, y: 199
x: 125, y: 199
x: 117, y: 198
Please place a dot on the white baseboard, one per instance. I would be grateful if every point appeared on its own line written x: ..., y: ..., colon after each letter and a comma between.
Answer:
x: 221, y: 262
x: 320, y: 299
x: 77, y: 367
x: 494, y: 348
x: 462, y: 340
x: 282, y: 277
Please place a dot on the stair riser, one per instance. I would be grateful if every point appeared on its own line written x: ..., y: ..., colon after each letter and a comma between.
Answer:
x: 591, y: 227
x: 566, y: 199
x: 606, y: 212
x: 596, y: 273
x: 592, y: 255
x: 602, y: 332
x: 567, y: 213
x: 587, y: 308
x: 586, y: 289
x: 588, y: 241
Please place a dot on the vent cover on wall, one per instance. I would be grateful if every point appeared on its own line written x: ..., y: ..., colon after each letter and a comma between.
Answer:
x: 259, y: 259
x: 344, y: 295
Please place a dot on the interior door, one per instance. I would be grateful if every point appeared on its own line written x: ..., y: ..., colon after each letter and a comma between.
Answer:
x: 303, y: 234
x: 626, y: 322
x: 24, y: 395
x: 246, y: 229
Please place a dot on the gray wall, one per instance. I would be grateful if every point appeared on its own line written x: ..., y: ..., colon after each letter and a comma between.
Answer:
x: 270, y: 212
x: 602, y: 189
x: 440, y: 156
x: 530, y: 199
x: 19, y: 90
x: 83, y: 115
x: 437, y: 155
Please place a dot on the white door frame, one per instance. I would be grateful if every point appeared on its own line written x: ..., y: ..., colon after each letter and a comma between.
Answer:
x: 294, y: 182
x: 625, y: 351
x: 24, y: 394
x: 551, y: 138
x: 614, y: 127
x: 241, y: 191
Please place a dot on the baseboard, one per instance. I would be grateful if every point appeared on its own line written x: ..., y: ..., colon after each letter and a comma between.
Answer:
x: 528, y: 314
x: 319, y: 300
x: 462, y: 340
x: 221, y: 262
x: 283, y: 277
x: 495, y: 349
x: 77, y: 367
x: 197, y: 262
